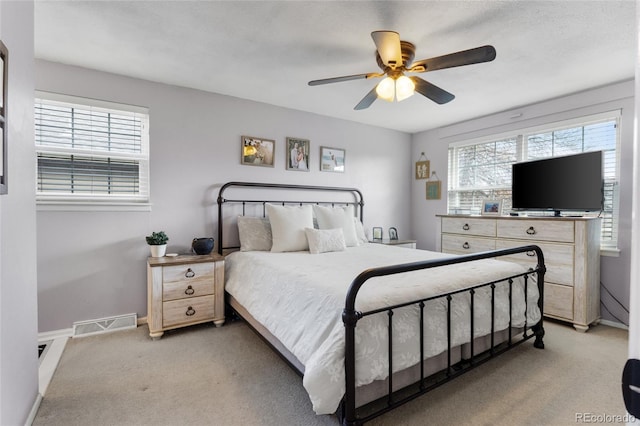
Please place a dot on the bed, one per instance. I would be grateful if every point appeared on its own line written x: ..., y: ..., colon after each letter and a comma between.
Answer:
x: 368, y: 326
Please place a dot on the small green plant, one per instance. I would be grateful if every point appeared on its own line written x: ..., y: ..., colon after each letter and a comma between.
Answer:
x: 157, y: 238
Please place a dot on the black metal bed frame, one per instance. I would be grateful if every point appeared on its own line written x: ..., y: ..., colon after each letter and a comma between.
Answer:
x: 347, y: 412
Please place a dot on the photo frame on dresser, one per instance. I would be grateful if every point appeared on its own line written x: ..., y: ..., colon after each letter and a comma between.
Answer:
x: 491, y: 207
x: 4, y: 81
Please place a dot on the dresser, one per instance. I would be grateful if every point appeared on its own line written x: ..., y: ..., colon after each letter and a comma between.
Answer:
x: 571, y: 248
x: 184, y: 290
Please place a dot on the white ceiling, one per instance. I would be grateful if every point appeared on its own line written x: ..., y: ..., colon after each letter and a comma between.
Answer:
x: 267, y: 51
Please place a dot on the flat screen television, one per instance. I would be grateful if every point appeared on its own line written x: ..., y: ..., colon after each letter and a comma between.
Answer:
x: 571, y: 183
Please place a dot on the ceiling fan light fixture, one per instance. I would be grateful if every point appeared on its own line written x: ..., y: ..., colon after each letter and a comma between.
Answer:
x: 405, y: 88
x: 386, y: 89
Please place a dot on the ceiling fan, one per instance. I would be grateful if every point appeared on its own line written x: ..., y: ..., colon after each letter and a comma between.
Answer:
x: 395, y: 58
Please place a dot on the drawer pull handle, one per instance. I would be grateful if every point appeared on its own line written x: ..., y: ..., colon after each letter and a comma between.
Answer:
x: 189, y: 291
x: 190, y: 311
x: 531, y: 253
x: 190, y: 273
x: 465, y: 245
x: 466, y: 227
x: 531, y: 231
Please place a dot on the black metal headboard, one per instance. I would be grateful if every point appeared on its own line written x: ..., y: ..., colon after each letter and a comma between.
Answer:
x: 358, y: 200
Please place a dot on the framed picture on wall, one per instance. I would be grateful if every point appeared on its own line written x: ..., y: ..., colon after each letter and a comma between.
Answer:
x: 298, y: 154
x: 331, y: 159
x: 257, y: 151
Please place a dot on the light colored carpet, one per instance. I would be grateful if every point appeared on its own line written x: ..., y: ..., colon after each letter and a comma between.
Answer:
x: 227, y: 376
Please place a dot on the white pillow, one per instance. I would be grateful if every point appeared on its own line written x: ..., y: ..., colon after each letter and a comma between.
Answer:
x: 362, y: 236
x: 287, y: 227
x: 325, y: 240
x: 338, y: 217
x: 254, y: 233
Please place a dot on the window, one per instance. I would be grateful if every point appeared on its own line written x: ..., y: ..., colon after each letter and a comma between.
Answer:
x: 90, y: 152
x: 482, y: 169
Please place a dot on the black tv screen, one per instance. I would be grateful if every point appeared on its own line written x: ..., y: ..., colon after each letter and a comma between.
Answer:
x: 570, y: 183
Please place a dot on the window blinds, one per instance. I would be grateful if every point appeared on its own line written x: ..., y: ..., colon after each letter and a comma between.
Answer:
x: 90, y: 153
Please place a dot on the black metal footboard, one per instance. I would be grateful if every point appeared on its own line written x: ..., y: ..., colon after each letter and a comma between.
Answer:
x: 350, y: 415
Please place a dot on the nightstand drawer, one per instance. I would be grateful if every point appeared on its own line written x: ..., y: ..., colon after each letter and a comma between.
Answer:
x: 466, y: 244
x: 187, y: 288
x: 182, y: 311
x: 190, y: 272
x: 470, y: 226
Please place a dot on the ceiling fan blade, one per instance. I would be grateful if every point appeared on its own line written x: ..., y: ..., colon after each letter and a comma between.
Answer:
x: 388, y: 46
x: 367, y: 100
x: 431, y: 91
x: 464, y: 57
x: 344, y: 78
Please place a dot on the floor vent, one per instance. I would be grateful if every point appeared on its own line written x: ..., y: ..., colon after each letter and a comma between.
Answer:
x: 104, y: 325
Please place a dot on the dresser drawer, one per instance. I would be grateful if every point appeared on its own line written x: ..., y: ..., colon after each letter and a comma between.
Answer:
x: 558, y: 301
x: 558, y: 259
x: 192, y: 310
x: 462, y: 244
x: 187, y: 288
x: 194, y: 271
x: 470, y: 226
x: 538, y: 230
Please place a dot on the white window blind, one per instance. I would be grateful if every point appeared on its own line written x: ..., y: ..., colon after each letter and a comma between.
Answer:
x: 482, y: 169
x: 91, y: 151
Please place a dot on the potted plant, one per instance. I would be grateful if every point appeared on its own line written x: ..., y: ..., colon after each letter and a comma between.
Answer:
x: 157, y: 243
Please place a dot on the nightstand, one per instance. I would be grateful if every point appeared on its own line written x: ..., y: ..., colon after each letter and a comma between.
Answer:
x: 399, y: 243
x: 184, y: 290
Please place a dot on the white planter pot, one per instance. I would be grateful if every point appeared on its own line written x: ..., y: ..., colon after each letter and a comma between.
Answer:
x: 158, y: 251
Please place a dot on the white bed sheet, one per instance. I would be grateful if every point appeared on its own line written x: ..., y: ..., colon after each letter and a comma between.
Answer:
x: 299, y: 298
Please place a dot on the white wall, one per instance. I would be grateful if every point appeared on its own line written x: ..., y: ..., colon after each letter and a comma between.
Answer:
x: 614, y: 270
x: 18, y: 290
x: 92, y: 264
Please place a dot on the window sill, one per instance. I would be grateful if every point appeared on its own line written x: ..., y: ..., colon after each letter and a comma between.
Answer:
x: 610, y: 251
x: 79, y: 206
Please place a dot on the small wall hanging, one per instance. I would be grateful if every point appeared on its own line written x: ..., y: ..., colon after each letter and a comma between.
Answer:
x: 422, y: 167
x: 434, y: 187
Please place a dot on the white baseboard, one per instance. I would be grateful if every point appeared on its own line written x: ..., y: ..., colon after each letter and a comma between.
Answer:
x: 614, y: 324
x: 54, y: 334
x: 34, y: 410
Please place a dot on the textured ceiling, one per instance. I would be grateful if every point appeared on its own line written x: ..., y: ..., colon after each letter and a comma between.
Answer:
x: 267, y: 51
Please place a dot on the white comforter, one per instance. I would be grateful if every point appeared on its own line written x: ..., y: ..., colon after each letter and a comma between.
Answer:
x: 299, y: 298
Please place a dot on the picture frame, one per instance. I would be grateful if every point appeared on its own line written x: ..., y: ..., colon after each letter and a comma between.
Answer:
x: 393, y: 233
x: 257, y: 151
x: 332, y: 159
x: 4, y: 81
x: 434, y: 189
x: 377, y: 233
x: 298, y: 154
x: 422, y: 169
x: 491, y: 207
